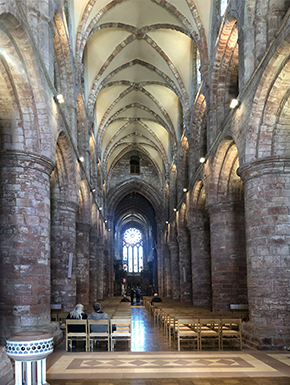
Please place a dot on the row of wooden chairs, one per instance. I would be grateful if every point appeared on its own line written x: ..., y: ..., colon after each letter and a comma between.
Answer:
x: 209, y: 330
x: 186, y: 322
x: 117, y: 329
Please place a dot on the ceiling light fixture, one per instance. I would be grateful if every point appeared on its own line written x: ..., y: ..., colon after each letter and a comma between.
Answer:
x: 59, y: 98
x: 234, y: 103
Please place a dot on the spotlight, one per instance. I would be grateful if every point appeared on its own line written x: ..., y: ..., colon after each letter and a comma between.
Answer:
x: 59, y: 98
x: 202, y: 159
x: 234, y: 103
x: 81, y: 159
x: 100, y: 208
x: 166, y: 222
x: 174, y: 209
x: 185, y: 190
x: 93, y: 190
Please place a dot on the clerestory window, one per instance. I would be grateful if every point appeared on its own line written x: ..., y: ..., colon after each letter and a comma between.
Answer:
x: 134, y: 165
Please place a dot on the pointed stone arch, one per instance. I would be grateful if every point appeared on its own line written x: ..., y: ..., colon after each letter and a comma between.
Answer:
x: 224, y: 79
x: 24, y: 118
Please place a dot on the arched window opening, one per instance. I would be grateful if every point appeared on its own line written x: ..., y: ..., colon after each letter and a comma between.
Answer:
x: 223, y: 6
x: 135, y: 165
x: 132, y: 251
x: 198, y: 73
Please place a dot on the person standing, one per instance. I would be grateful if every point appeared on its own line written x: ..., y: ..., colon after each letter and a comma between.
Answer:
x: 132, y: 293
x: 137, y: 295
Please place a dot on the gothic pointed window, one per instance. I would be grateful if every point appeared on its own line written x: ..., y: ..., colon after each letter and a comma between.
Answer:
x: 135, y: 165
x: 132, y: 251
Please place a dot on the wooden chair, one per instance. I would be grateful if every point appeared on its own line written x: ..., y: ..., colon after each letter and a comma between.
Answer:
x: 187, y: 330
x: 209, y: 331
x: 231, y: 331
x: 121, y: 329
x: 61, y: 317
x: 104, y: 324
x: 76, y: 336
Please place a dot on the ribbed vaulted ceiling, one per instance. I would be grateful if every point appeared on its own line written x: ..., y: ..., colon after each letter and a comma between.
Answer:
x: 137, y: 58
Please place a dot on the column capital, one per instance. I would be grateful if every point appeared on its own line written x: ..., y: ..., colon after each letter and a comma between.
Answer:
x: 264, y: 166
x: 69, y: 205
x: 225, y: 206
x: 23, y: 159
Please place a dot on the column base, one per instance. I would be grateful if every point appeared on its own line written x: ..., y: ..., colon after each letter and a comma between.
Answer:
x: 266, y: 337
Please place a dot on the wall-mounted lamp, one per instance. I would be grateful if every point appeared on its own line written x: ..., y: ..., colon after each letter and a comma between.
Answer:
x: 100, y: 208
x: 59, y: 98
x: 184, y: 190
x: 109, y: 229
x: 81, y: 159
x: 166, y: 222
x: 93, y: 190
x: 174, y: 209
x: 234, y: 103
x: 106, y: 221
x: 201, y: 160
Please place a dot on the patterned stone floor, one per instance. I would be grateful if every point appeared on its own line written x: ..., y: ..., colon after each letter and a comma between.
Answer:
x: 151, y: 361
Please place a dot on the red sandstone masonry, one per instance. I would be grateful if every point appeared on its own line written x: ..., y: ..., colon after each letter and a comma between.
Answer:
x: 25, y: 261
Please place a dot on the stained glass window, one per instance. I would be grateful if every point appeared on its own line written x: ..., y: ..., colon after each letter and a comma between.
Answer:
x: 133, y: 251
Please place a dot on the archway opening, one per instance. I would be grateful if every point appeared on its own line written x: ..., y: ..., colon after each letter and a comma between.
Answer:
x: 135, y: 255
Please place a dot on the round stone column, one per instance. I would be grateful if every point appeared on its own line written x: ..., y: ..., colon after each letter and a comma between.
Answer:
x: 228, y: 255
x: 174, y: 261
x: 82, y: 262
x: 167, y: 268
x: 200, y: 261
x: 63, y: 255
x: 25, y: 243
x: 96, y: 270
x: 184, y: 265
x: 267, y: 209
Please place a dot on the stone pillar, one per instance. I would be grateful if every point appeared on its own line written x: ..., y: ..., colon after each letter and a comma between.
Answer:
x: 83, y: 263
x: 167, y: 268
x: 184, y: 264
x: 109, y: 257
x: 228, y: 255
x: 200, y: 261
x: 267, y: 203
x: 63, y: 243
x: 174, y: 260
x: 160, y: 261
x: 96, y: 270
x: 24, y: 246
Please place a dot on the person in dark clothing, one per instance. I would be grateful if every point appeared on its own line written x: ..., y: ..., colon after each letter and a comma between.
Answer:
x: 77, y: 314
x: 156, y: 299
x: 132, y: 293
x: 138, y: 296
